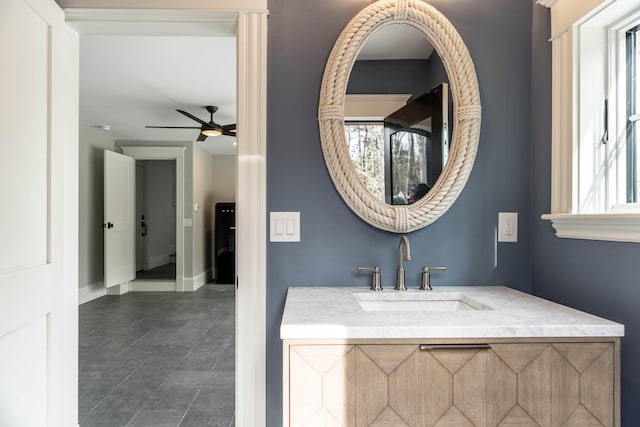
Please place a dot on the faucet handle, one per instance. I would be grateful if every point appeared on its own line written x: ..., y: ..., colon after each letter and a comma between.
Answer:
x: 426, y: 277
x: 375, y: 281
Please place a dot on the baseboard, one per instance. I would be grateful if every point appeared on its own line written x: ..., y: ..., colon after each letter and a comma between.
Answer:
x: 157, y: 261
x: 91, y: 292
x: 120, y: 289
x: 152, y: 286
x: 97, y: 290
x: 192, y: 284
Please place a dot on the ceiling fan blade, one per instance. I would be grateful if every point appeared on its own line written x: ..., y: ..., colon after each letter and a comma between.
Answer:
x: 229, y: 133
x: 192, y: 117
x: 201, y: 137
x: 173, y: 127
x: 229, y: 127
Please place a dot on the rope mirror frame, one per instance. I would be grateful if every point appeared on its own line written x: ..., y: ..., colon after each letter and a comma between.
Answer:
x: 466, y: 114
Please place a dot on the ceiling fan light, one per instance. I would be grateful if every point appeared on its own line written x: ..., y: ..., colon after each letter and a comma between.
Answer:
x: 212, y: 132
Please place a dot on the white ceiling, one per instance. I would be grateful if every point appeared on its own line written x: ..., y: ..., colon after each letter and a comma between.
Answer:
x: 396, y: 41
x: 128, y: 82
x: 132, y: 76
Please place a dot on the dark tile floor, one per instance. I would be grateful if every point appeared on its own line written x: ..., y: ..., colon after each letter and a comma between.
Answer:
x: 158, y: 359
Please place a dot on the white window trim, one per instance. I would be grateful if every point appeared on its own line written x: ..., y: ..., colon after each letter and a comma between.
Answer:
x: 610, y: 226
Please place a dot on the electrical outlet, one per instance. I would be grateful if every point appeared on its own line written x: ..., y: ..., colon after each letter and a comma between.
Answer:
x: 507, y: 226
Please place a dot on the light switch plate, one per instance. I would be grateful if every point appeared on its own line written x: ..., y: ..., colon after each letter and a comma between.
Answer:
x: 507, y: 226
x: 284, y: 227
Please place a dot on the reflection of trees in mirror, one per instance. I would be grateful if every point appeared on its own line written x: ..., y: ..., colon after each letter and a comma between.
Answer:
x: 410, y: 164
x: 366, y: 149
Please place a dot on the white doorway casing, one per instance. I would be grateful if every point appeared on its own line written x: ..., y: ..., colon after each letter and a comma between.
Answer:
x: 177, y: 154
x: 250, y: 19
x: 140, y: 219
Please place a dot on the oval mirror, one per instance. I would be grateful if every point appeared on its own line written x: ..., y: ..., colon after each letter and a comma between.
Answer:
x: 397, y: 115
x: 392, y: 200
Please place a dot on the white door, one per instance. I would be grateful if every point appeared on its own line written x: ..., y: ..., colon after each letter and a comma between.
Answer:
x: 119, y: 218
x: 141, y: 220
x: 38, y: 217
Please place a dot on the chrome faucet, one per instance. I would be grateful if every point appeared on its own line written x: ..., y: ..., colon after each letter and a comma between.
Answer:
x: 426, y: 277
x: 407, y: 256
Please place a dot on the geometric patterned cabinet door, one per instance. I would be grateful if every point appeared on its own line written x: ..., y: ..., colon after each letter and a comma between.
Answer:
x: 562, y: 384
x: 454, y: 387
x: 366, y: 385
x: 386, y: 385
x: 521, y: 384
x: 322, y: 385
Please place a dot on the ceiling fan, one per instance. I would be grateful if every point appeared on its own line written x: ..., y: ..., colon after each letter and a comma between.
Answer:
x: 206, y: 129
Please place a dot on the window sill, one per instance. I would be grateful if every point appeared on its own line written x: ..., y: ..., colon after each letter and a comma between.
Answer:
x: 615, y: 227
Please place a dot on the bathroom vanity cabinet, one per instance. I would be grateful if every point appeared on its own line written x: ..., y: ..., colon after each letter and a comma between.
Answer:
x: 506, y: 383
x: 505, y: 359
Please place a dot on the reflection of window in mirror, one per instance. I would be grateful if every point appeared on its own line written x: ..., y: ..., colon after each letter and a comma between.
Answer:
x: 366, y: 149
x: 398, y: 149
x: 419, y: 144
x: 410, y: 171
x: 411, y: 164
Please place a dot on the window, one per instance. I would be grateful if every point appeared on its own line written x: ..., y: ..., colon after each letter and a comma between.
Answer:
x: 632, y: 58
x: 596, y: 94
x: 623, y: 94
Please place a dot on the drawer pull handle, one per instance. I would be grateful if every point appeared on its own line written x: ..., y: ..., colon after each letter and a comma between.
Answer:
x: 454, y: 346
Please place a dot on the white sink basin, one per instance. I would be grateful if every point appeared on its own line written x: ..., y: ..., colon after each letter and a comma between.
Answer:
x: 444, y: 305
x: 436, y: 301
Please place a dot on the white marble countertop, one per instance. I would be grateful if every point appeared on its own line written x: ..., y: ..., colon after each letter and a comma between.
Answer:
x: 336, y: 313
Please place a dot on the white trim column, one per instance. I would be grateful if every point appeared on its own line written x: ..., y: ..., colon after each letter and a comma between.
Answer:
x: 563, y: 165
x: 251, y: 216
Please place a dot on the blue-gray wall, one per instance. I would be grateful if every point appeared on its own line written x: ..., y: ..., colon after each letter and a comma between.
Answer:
x: 409, y: 76
x: 333, y: 239
x: 598, y: 277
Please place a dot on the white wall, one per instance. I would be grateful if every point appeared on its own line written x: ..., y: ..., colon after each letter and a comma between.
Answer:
x: 224, y: 178
x: 93, y: 142
x: 223, y: 187
x: 203, y: 180
x: 159, y: 211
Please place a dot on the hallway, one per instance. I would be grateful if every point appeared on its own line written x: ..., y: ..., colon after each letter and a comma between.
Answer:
x: 158, y: 359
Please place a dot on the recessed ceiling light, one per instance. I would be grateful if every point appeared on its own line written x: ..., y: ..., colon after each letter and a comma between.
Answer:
x: 105, y: 128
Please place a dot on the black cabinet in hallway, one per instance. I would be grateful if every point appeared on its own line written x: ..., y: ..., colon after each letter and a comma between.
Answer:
x: 225, y: 244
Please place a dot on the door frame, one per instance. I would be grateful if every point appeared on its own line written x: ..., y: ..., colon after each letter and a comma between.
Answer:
x: 250, y: 20
x: 141, y: 177
x: 177, y: 154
